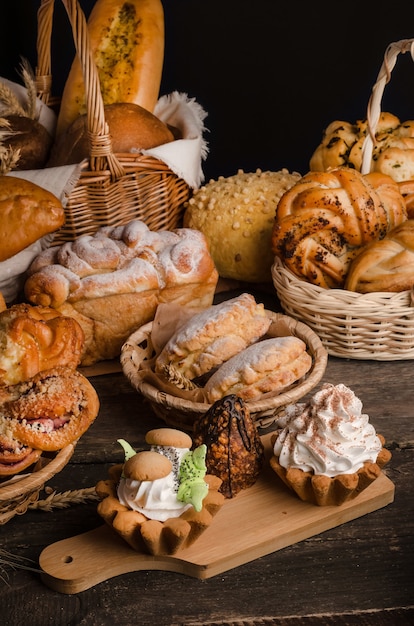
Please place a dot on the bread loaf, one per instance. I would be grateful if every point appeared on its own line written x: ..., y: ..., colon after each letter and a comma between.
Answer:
x: 386, y: 265
x: 127, y: 44
x: 132, y: 128
x: 113, y: 281
x: 27, y: 213
x: 326, y: 218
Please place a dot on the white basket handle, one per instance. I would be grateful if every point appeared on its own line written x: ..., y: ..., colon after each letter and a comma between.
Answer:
x: 374, y: 104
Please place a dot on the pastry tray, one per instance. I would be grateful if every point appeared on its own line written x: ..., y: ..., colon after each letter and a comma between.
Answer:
x: 258, y: 521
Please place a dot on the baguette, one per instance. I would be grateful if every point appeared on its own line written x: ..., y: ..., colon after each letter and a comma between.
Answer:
x: 127, y: 42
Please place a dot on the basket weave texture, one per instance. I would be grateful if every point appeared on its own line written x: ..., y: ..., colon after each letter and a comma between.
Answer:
x: 16, y: 496
x: 181, y: 413
x: 113, y: 188
x: 374, y: 326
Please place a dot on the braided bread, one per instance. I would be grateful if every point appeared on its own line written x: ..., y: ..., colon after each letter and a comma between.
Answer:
x: 36, y: 338
x: 112, y: 282
x: 325, y: 219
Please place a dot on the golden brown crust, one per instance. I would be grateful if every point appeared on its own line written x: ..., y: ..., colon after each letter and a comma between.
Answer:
x: 386, y: 265
x: 113, y: 281
x: 36, y: 338
x: 127, y: 42
x: 268, y: 366
x: 132, y: 128
x: 15, y: 456
x: 27, y: 213
x: 213, y: 336
x: 325, y: 220
x: 325, y: 491
x: 51, y: 410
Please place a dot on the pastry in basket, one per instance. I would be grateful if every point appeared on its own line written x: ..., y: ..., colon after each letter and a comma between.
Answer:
x: 385, y: 265
x: 160, y: 500
x: 36, y: 338
x: 268, y: 366
x: 14, y: 455
x: 326, y: 219
x: 212, y: 336
x: 49, y: 411
x: 235, y: 452
x: 325, y: 449
x: 112, y: 282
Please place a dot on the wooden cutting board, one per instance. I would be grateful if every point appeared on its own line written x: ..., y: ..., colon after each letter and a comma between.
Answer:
x: 258, y: 521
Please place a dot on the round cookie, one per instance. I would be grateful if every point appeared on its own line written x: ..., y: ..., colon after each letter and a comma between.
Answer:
x: 147, y: 465
x: 170, y: 437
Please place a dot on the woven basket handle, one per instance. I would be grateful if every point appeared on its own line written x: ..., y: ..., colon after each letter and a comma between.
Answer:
x: 101, y: 154
x: 374, y: 104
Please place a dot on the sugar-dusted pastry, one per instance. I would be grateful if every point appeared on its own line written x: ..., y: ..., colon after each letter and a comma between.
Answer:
x: 160, y: 500
x: 268, y: 366
x: 325, y: 449
x: 235, y: 451
x: 36, y: 338
x: 213, y: 336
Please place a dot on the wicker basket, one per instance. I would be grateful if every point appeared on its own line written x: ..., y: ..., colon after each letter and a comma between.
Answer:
x: 113, y: 188
x: 17, y: 495
x: 181, y: 413
x: 375, y: 326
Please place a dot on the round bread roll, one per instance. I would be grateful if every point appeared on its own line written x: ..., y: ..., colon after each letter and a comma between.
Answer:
x: 270, y: 365
x: 50, y: 410
x: 170, y: 437
x: 214, y: 335
x: 31, y: 138
x: 132, y: 128
x: 236, y: 215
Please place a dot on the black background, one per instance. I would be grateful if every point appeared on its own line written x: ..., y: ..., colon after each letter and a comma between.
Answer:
x: 271, y: 75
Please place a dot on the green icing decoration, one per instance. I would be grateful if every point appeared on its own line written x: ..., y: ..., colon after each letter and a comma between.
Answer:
x: 128, y: 449
x: 193, y: 489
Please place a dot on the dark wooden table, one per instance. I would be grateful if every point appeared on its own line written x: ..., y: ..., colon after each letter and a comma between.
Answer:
x: 360, y: 572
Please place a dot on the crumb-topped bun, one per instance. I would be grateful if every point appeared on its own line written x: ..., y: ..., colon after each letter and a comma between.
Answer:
x: 160, y: 500
x: 235, y: 452
x: 36, y: 338
x: 236, y: 215
x: 271, y: 365
x: 213, y: 336
x: 326, y: 450
x: 50, y: 410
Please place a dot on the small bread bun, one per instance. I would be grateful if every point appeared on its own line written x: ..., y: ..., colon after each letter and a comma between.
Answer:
x: 170, y: 437
x: 49, y: 411
x: 27, y: 213
x: 147, y: 465
x: 132, y: 128
x: 213, y: 336
x: 31, y: 138
x: 270, y: 365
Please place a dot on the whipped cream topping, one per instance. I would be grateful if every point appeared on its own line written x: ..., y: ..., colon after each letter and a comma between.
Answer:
x: 156, y: 499
x: 328, y: 435
x: 167, y: 497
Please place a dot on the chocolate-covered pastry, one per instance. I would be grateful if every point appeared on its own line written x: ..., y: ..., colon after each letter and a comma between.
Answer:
x: 235, y: 451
